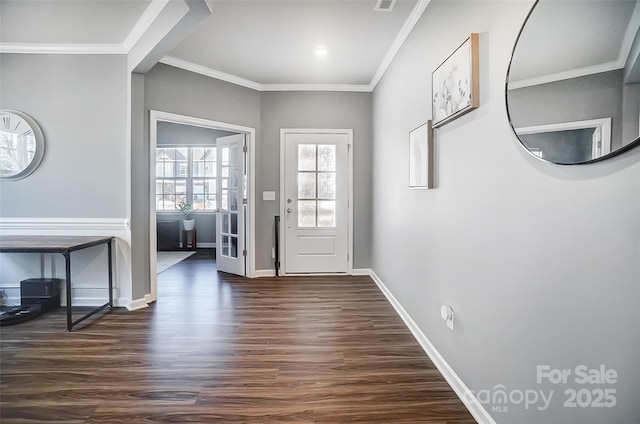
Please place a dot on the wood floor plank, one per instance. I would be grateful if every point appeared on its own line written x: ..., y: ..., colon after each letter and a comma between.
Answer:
x: 217, y: 348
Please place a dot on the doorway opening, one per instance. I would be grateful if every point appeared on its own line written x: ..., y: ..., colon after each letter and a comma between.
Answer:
x: 208, y: 165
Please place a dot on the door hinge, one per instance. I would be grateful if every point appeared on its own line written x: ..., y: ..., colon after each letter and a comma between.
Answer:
x: 245, y: 149
x: 244, y: 252
x: 244, y: 201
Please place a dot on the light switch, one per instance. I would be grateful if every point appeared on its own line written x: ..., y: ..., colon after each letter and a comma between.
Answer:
x: 268, y: 195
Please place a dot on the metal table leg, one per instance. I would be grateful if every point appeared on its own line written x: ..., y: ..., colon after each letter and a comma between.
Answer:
x: 67, y: 263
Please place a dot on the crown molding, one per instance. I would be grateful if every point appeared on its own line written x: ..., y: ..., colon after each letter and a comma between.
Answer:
x: 29, y: 48
x: 203, y: 70
x: 573, y: 73
x: 411, y: 21
x: 138, y: 30
x: 364, y: 88
x: 150, y: 14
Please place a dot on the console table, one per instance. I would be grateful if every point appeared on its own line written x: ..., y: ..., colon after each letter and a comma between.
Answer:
x: 64, y: 245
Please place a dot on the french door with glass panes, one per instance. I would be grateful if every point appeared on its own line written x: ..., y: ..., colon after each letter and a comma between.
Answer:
x: 231, y: 216
x: 316, y: 202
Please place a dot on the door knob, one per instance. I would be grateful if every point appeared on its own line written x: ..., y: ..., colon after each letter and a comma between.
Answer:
x: 289, y: 210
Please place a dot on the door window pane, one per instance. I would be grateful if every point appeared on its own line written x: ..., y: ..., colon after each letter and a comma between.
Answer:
x: 326, y: 185
x: 233, y: 200
x: 306, y: 185
x: 306, y: 213
x: 234, y: 224
x: 224, y: 197
x: 233, y: 251
x: 233, y: 154
x: 233, y: 177
x: 225, y: 245
x: 225, y: 223
x: 225, y: 156
x: 326, y: 213
x: 306, y: 157
x: 326, y: 157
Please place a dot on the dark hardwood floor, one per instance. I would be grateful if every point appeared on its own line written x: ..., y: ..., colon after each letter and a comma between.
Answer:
x: 217, y: 348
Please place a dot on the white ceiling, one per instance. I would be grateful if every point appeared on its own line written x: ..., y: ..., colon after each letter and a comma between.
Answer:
x: 273, y: 42
x: 255, y: 43
x: 269, y: 44
x: 68, y: 22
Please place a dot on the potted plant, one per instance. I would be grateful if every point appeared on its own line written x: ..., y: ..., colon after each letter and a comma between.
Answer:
x: 187, y: 211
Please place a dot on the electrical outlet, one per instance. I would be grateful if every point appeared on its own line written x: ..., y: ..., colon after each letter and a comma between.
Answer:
x: 446, y: 313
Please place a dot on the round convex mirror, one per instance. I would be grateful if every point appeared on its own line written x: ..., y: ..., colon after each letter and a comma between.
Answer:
x: 573, y: 83
x: 21, y: 145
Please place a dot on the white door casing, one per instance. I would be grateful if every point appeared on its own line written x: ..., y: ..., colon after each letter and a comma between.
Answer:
x: 316, y: 192
x: 156, y: 116
x: 231, y: 193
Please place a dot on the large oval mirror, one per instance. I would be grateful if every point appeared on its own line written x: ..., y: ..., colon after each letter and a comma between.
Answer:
x: 573, y: 84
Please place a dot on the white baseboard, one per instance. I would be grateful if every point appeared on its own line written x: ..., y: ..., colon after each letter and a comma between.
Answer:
x: 474, y: 406
x: 77, y: 301
x: 202, y: 245
x: 264, y: 273
x: 138, y: 304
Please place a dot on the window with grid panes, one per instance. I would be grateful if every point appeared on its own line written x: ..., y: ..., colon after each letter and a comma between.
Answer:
x: 186, y: 174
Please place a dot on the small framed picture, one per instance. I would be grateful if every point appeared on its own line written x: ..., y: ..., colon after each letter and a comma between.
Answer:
x: 455, y: 84
x: 421, y: 157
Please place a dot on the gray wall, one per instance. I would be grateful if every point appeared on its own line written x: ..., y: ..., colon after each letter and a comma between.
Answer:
x: 173, y: 90
x: 576, y: 99
x: 139, y: 191
x: 538, y: 261
x: 316, y: 110
x: 170, y: 133
x: 631, y: 113
x: 79, y: 102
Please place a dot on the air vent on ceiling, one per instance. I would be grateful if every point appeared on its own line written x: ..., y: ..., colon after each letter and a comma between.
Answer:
x: 384, y: 5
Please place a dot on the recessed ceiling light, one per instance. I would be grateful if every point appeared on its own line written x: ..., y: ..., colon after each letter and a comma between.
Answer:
x: 321, y: 51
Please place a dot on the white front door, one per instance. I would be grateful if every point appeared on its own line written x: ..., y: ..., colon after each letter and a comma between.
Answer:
x: 315, y: 207
x: 231, y: 192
